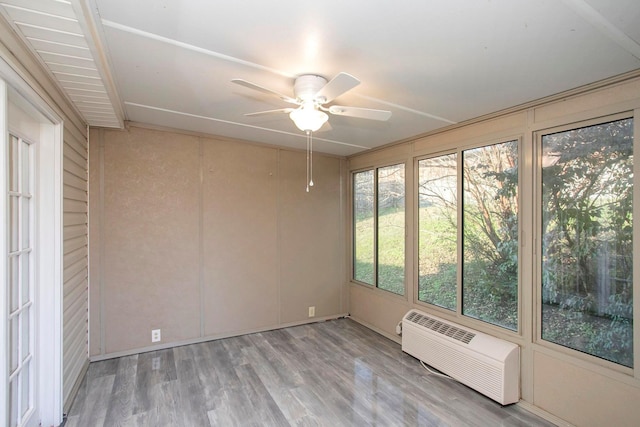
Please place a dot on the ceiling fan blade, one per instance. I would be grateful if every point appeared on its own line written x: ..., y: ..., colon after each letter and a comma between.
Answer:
x: 340, y: 84
x: 362, y: 113
x: 262, y: 89
x: 264, y: 113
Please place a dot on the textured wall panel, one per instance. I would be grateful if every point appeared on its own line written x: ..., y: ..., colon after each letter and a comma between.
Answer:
x: 203, y: 238
x: 150, y: 230
x: 239, y: 230
x: 311, y: 244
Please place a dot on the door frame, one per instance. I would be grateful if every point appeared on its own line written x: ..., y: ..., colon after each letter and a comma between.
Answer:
x: 49, y: 253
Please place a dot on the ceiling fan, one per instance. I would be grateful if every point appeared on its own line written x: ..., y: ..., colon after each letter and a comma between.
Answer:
x: 312, y: 94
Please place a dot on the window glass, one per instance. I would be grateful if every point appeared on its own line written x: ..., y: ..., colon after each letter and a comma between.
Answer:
x: 379, y: 227
x: 587, y: 254
x: 363, y: 227
x: 438, y: 231
x: 490, y: 234
x: 391, y: 228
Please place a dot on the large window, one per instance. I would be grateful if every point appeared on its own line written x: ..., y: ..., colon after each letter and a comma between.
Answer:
x: 490, y: 234
x: 379, y: 227
x: 438, y: 228
x: 487, y: 240
x: 586, y: 243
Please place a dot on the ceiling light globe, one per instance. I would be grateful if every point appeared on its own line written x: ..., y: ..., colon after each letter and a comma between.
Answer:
x: 308, y: 119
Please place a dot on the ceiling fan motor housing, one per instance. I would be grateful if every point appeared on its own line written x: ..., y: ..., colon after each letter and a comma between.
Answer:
x: 307, y: 86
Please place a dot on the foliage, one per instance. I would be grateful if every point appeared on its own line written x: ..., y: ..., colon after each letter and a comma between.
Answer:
x: 490, y: 232
x: 439, y: 288
x: 586, y: 235
x: 587, y: 184
x: 490, y: 269
x: 437, y: 252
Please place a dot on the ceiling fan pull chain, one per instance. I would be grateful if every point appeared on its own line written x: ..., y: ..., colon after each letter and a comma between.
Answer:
x: 310, y: 159
x: 308, y: 143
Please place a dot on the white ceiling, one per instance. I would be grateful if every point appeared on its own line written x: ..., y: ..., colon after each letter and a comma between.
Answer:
x: 432, y: 62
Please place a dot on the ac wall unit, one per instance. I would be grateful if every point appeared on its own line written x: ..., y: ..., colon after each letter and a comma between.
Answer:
x: 480, y: 361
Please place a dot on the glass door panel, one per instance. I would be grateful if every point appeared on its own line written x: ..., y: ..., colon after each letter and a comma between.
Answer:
x: 20, y: 282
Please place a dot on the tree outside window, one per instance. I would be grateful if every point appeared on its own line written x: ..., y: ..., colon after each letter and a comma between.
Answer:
x: 587, y: 255
x: 488, y: 236
x: 438, y: 230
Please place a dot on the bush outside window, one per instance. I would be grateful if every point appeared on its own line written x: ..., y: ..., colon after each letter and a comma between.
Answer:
x: 488, y: 236
x: 468, y: 248
x: 586, y: 240
x: 438, y: 235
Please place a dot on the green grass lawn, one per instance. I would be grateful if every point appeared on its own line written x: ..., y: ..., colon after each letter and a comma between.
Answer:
x: 391, y: 244
x: 437, y: 252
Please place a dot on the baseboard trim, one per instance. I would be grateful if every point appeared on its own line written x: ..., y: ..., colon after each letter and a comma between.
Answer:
x: 392, y: 337
x: 544, y: 414
x: 99, y: 357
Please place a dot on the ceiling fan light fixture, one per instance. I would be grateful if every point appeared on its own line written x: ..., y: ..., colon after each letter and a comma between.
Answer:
x: 308, y: 118
x: 312, y: 93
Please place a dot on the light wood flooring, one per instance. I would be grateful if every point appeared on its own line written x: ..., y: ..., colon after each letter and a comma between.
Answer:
x: 335, y: 373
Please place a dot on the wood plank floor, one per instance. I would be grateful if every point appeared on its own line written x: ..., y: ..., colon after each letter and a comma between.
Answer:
x: 335, y: 373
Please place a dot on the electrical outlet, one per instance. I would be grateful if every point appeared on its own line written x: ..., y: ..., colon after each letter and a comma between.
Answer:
x: 312, y: 311
x: 156, y: 335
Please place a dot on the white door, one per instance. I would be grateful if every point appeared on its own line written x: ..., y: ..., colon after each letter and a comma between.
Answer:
x: 30, y: 257
x: 21, y: 287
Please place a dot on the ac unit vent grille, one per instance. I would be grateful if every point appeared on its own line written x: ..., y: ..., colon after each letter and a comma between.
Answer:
x: 441, y: 328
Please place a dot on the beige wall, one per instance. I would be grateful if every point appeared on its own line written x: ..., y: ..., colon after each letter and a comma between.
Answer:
x: 74, y: 180
x: 554, y: 381
x: 203, y: 237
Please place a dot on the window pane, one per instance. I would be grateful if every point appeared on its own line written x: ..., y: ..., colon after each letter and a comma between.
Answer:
x: 438, y: 228
x: 587, y: 255
x: 13, y: 402
x: 391, y: 222
x: 25, y: 377
x: 14, y: 223
x: 25, y: 222
x: 25, y: 186
x: 14, y: 334
x: 25, y: 278
x: 490, y: 234
x: 13, y: 163
x: 25, y: 317
x: 14, y: 282
x: 363, y: 226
